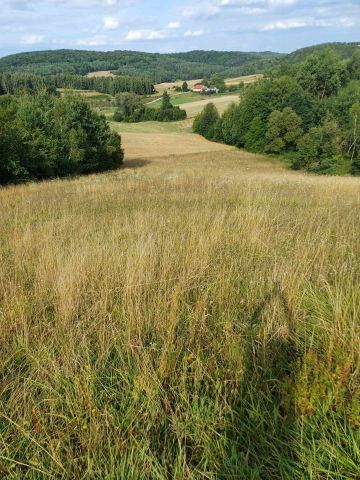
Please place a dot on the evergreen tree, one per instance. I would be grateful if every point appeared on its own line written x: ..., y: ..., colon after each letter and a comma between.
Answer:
x: 166, y: 101
x: 185, y: 87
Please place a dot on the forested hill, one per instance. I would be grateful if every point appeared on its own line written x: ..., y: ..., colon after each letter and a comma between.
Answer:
x: 161, y: 67
x: 157, y: 67
x: 344, y: 50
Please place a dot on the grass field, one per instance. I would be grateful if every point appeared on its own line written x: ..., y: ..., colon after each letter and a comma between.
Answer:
x: 161, y: 87
x: 194, y: 103
x: 193, y: 315
x: 247, y: 79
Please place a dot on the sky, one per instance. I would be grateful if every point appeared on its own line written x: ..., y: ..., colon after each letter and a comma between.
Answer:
x: 175, y: 26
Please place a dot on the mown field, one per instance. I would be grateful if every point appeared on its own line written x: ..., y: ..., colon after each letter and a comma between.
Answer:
x: 193, y: 315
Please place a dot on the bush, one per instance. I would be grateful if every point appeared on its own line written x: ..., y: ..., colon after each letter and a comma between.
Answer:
x: 44, y: 136
x: 118, y: 116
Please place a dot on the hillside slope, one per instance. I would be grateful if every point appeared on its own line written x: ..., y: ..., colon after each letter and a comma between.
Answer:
x: 158, y: 67
x: 345, y: 50
x: 192, y: 315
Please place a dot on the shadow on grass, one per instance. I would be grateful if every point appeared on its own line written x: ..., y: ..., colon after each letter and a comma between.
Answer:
x: 135, y: 164
x: 264, y: 427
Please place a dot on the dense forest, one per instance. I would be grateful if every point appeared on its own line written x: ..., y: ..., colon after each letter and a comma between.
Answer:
x: 309, y: 113
x: 156, y: 67
x: 45, y: 136
x: 344, y: 50
x: 11, y: 83
x: 160, y: 67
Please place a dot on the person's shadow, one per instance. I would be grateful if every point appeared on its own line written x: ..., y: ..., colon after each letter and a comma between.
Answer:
x: 264, y: 424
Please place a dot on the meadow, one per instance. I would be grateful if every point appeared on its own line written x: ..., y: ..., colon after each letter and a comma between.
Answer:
x: 193, y: 315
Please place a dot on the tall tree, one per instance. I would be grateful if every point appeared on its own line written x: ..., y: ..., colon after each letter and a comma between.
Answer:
x: 283, y: 130
x: 322, y: 73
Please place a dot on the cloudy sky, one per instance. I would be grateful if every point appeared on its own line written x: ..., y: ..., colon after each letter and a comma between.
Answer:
x: 169, y: 25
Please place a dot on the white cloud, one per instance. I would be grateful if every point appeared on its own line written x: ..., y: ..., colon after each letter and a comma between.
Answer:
x: 195, y: 33
x: 135, y: 35
x: 347, y: 22
x: 240, y: 3
x: 111, y: 23
x: 33, y: 39
x: 205, y: 10
x: 292, y: 23
x: 174, y: 25
x: 285, y: 24
x: 95, y: 41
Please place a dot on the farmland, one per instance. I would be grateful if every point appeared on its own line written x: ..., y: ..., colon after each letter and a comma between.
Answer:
x: 194, y: 103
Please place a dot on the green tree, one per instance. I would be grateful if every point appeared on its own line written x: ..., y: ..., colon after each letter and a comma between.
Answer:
x: 354, y: 137
x: 255, y: 140
x: 205, y: 122
x: 353, y: 66
x: 166, y: 101
x: 319, y: 149
x: 185, y: 87
x: 44, y: 136
x: 322, y: 73
x: 283, y: 130
x: 130, y: 107
x: 218, y: 82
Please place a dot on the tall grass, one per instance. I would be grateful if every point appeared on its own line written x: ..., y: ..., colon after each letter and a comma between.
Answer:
x: 174, y: 326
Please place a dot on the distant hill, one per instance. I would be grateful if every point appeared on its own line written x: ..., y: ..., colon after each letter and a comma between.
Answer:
x: 344, y: 50
x: 160, y: 67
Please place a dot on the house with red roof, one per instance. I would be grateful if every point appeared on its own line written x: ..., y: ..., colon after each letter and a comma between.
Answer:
x: 199, y: 87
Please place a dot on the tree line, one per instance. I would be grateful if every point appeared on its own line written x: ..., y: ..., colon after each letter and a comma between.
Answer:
x: 44, y: 136
x: 155, y: 66
x: 130, y: 108
x: 309, y: 113
x: 11, y: 83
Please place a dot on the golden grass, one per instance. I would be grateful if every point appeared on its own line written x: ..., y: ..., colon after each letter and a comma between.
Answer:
x: 161, y: 87
x: 133, y: 303
x: 247, y: 79
x: 221, y: 103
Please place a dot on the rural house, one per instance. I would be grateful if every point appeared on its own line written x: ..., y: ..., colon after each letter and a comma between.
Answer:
x: 212, y: 89
x: 199, y: 87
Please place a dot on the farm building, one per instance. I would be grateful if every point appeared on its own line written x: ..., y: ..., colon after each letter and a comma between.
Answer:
x: 199, y: 87
x: 212, y: 89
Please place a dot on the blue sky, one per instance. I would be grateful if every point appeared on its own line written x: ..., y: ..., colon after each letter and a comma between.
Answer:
x: 169, y: 25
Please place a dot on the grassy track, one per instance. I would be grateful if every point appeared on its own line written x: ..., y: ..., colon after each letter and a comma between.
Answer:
x: 194, y: 315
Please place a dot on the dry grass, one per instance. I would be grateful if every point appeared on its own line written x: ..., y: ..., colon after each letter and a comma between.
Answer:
x: 161, y: 87
x: 102, y: 73
x: 192, y: 316
x: 221, y: 103
x: 247, y: 79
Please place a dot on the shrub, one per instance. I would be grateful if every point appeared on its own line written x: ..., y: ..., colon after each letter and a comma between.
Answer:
x: 44, y: 136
